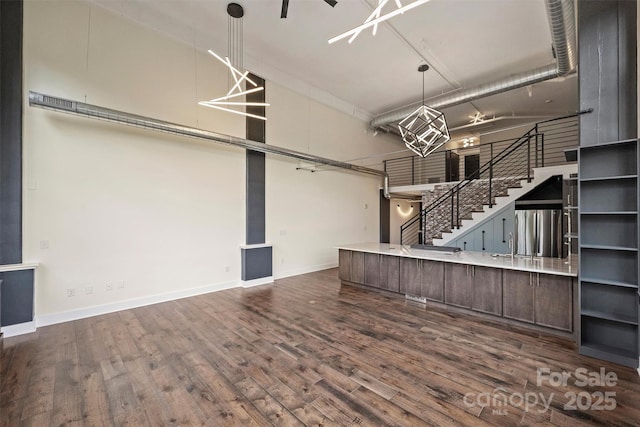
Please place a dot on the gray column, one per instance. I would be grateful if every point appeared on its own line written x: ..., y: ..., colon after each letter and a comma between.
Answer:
x: 607, y: 70
x: 257, y: 258
x: 11, y: 132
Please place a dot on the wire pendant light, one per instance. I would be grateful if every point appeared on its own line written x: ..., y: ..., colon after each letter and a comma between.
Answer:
x: 235, y: 63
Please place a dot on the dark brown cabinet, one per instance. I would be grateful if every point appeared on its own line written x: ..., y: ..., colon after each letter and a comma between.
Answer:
x: 344, y: 263
x: 390, y: 270
x: 458, y: 286
x: 487, y: 290
x: 553, y: 297
x: 410, y: 276
x: 432, y: 280
x: 518, y: 295
x: 372, y: 270
x: 543, y: 299
x: 357, y: 267
x: 470, y: 286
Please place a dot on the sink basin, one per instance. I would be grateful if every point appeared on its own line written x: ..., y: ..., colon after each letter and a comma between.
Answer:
x: 436, y: 248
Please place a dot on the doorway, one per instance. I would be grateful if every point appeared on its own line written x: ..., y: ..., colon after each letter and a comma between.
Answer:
x: 472, y: 166
x: 452, y: 166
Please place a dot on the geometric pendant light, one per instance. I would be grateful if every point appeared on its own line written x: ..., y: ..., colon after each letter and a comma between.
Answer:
x: 425, y: 130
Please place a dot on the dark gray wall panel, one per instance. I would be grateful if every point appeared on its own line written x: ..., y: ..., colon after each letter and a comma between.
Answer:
x: 628, y: 61
x: 256, y: 218
x: 607, y: 70
x: 10, y: 132
x: 256, y: 263
x: 255, y: 222
x: 385, y: 218
x: 256, y: 128
x: 17, y: 297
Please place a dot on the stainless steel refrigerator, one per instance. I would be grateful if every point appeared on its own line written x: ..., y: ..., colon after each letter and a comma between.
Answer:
x: 538, y: 232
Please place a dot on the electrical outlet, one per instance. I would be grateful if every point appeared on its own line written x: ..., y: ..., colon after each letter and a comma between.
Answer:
x: 282, y: 262
x: 283, y: 232
x: 88, y: 290
x: 226, y: 269
x: 71, y: 292
x: 109, y: 286
x: 120, y: 284
x: 44, y: 244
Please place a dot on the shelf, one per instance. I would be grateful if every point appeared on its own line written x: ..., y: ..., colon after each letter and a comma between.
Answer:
x: 612, y: 354
x: 607, y: 144
x: 609, y: 282
x: 608, y: 247
x: 609, y: 213
x: 608, y: 316
x: 606, y: 178
x: 610, y: 195
x: 539, y: 202
x: 609, y: 251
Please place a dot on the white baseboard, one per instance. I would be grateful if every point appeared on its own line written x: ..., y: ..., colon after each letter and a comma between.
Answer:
x: 305, y: 270
x: 19, y: 329
x: 256, y: 282
x: 83, y: 313
x: 67, y: 316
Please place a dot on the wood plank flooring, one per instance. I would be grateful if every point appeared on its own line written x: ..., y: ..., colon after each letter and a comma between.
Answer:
x: 304, y: 351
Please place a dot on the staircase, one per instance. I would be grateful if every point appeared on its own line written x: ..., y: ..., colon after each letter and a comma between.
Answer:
x: 505, y: 177
x: 510, y: 195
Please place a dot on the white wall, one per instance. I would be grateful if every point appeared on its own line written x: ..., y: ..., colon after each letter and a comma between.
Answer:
x: 400, y: 212
x: 162, y: 214
x: 308, y: 213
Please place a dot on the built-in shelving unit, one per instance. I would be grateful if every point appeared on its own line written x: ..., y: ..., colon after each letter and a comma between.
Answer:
x: 608, y: 251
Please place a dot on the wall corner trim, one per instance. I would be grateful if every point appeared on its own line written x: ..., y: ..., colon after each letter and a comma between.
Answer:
x: 256, y: 282
x: 19, y: 329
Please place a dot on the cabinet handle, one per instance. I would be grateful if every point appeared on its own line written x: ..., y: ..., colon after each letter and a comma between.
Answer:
x: 483, y: 240
x: 473, y: 271
x: 538, y: 274
x: 464, y: 244
x: 504, y: 220
x: 530, y: 279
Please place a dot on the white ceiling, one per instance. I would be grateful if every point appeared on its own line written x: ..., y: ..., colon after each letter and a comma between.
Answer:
x: 466, y: 43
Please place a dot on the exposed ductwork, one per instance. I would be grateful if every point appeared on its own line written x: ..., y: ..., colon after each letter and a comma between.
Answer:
x: 562, y: 20
x: 115, y: 116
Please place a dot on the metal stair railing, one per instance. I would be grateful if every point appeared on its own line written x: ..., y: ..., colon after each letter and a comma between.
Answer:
x: 503, y: 171
x: 470, y: 194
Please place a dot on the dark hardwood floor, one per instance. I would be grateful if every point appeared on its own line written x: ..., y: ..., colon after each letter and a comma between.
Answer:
x: 304, y: 351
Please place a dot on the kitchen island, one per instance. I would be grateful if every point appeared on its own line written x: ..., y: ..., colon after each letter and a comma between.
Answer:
x: 537, y: 293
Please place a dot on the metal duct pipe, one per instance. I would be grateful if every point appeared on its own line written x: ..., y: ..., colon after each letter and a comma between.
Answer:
x: 563, y: 33
x: 562, y: 19
x: 121, y: 117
